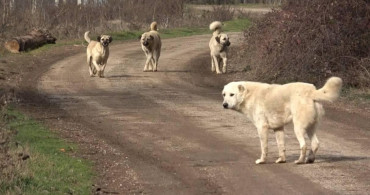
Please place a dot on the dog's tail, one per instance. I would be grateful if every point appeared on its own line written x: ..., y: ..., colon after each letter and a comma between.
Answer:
x: 331, y: 90
x: 153, y: 26
x: 87, y: 38
x: 216, y: 27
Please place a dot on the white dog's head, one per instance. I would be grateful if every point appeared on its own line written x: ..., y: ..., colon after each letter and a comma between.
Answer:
x: 223, y: 39
x: 234, y: 95
x: 146, y: 39
x: 105, y: 40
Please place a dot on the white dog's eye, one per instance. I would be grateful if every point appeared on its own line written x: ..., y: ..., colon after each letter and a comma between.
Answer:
x: 231, y: 94
x: 223, y: 95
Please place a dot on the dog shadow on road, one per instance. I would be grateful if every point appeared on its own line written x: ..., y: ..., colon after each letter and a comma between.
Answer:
x: 332, y: 158
x: 340, y: 158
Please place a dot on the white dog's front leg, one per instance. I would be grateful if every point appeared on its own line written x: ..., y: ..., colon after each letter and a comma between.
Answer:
x: 148, y: 60
x: 102, y: 70
x: 224, y: 66
x: 213, y: 65
x: 216, y: 64
x: 263, y: 133
x: 155, y: 60
x: 97, y: 67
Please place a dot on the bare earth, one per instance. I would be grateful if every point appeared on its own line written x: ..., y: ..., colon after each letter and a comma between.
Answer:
x: 167, y: 133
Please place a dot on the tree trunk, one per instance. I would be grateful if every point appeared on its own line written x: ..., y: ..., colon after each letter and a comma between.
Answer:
x: 34, y: 39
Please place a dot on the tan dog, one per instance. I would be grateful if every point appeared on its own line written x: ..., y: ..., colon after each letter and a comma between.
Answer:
x: 218, y: 45
x: 97, y: 53
x: 151, y: 45
x: 274, y: 106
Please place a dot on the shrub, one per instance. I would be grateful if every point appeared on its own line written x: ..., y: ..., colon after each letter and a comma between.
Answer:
x: 311, y: 40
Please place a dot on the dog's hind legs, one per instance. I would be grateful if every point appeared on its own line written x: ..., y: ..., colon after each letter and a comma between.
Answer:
x: 314, y: 144
x: 279, y: 134
x: 299, y: 132
x: 91, y: 71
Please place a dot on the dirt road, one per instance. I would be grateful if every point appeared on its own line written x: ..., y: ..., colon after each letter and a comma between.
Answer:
x: 167, y: 133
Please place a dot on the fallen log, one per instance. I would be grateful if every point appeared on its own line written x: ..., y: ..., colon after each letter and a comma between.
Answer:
x: 36, y: 38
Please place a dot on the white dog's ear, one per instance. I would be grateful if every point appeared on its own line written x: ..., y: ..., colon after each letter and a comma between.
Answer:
x: 151, y: 37
x: 98, y: 38
x: 139, y: 37
x: 110, y: 39
x: 241, y: 88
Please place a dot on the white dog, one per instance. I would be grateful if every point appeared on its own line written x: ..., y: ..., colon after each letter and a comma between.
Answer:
x: 97, y: 53
x: 151, y: 45
x: 273, y: 106
x: 218, y: 45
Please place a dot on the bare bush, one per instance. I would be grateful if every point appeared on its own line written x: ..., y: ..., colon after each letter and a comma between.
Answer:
x: 311, y: 40
x: 69, y: 19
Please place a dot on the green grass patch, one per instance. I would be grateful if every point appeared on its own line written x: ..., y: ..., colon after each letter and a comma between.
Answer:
x: 229, y: 26
x: 51, y: 168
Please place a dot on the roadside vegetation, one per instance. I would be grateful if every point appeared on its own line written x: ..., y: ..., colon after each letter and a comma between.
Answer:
x: 310, y: 41
x: 34, y: 160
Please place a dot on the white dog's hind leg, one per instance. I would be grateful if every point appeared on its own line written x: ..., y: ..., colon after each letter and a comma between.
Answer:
x: 299, y: 132
x: 311, y: 132
x: 263, y: 133
x: 90, y: 68
x: 279, y: 134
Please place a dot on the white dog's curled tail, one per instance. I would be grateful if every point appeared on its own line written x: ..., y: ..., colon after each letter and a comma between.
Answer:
x: 216, y: 27
x: 331, y: 90
x: 154, y: 26
x: 87, y: 38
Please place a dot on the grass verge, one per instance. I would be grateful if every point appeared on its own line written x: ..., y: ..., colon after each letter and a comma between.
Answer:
x: 229, y: 26
x: 39, y: 162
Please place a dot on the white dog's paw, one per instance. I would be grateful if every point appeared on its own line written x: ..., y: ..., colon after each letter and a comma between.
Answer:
x: 259, y: 161
x: 219, y: 73
x: 280, y: 160
x: 298, y: 162
x: 224, y: 70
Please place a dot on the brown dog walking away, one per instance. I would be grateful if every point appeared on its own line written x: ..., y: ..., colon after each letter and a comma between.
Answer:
x: 218, y: 45
x: 151, y: 45
x: 97, y: 53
